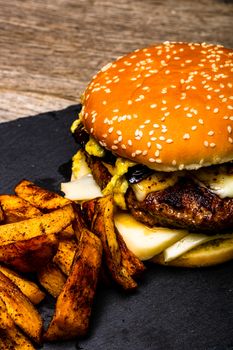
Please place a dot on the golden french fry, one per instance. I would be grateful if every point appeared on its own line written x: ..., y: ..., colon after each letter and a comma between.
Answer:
x: 20, y: 309
x: 27, y: 287
x: 28, y: 255
x: 17, y: 209
x: 50, y: 223
x: 52, y: 279
x: 103, y: 226
x: 40, y: 197
x: 73, y: 307
x: 65, y: 254
x: 10, y: 337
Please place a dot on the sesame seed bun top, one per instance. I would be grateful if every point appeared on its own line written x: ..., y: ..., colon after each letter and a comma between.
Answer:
x: 168, y: 106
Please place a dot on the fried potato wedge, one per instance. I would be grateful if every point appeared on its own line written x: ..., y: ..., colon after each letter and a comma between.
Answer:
x: 27, y: 287
x: 50, y: 223
x: 1, y: 214
x: 28, y: 255
x: 129, y: 260
x: 40, y: 197
x: 73, y: 307
x: 20, y: 309
x: 17, y: 209
x: 68, y: 232
x: 52, y: 279
x: 103, y: 226
x: 10, y: 336
x: 65, y: 254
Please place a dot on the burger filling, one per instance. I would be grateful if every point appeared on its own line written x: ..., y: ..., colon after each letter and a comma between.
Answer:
x: 183, y: 203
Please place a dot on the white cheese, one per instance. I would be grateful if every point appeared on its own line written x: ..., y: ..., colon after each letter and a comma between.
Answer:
x: 84, y: 188
x: 156, y: 182
x: 218, y: 179
x: 187, y: 243
x: 143, y: 241
x: 82, y: 185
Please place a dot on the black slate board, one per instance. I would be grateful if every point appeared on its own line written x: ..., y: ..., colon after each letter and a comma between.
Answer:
x: 172, y: 309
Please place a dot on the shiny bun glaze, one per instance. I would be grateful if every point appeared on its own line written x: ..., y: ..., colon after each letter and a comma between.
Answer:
x: 168, y: 106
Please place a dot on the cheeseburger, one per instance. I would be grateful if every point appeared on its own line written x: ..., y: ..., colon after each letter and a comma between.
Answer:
x: 156, y: 131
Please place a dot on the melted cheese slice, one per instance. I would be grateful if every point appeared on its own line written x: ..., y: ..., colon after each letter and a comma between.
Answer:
x: 156, y: 182
x: 143, y: 241
x: 146, y: 242
x: 218, y: 179
x: 84, y: 188
x: 82, y: 185
x: 187, y: 243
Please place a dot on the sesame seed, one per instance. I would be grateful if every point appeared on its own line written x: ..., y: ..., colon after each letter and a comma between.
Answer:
x: 130, y: 142
x: 189, y: 115
x: 169, y: 140
x: 215, y: 110
x: 186, y: 136
x: 151, y: 160
x: 229, y: 129
x: 181, y: 166
x: 230, y: 139
x: 211, y: 133
x: 174, y: 162
x: 159, y: 146
x: 130, y: 102
x: 157, y: 153
x: 156, y: 126
x: 206, y: 143
x: 212, y: 144
x: 230, y: 107
x: 154, y: 105
x: 158, y: 160
x: 149, y: 144
x: 194, y: 127
x: 200, y: 121
x: 177, y: 106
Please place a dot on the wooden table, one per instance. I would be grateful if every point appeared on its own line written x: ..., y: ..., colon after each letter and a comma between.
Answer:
x: 49, y: 49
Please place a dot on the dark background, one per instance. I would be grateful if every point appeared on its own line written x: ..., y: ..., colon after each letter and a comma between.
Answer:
x: 173, y: 308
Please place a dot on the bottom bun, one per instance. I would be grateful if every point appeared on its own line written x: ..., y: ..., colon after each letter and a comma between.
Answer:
x: 208, y: 254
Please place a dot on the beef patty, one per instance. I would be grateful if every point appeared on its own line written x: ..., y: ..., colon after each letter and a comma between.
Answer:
x: 186, y: 204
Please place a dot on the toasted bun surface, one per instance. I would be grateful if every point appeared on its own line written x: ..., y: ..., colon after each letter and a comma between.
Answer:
x: 208, y: 254
x: 168, y: 106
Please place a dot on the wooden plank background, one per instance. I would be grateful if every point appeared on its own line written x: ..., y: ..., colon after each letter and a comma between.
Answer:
x: 49, y: 49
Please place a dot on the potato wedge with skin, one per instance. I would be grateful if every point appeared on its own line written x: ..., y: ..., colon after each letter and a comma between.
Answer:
x: 65, y: 254
x: 20, y: 309
x: 103, y: 226
x: 27, y: 287
x: 73, y: 307
x: 28, y: 255
x: 1, y: 214
x: 52, y: 279
x: 129, y: 260
x: 67, y: 233
x: 50, y: 223
x: 17, y: 209
x: 40, y: 197
x: 10, y: 336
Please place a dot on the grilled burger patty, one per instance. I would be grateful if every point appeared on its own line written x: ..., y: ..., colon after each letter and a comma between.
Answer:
x: 186, y: 204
